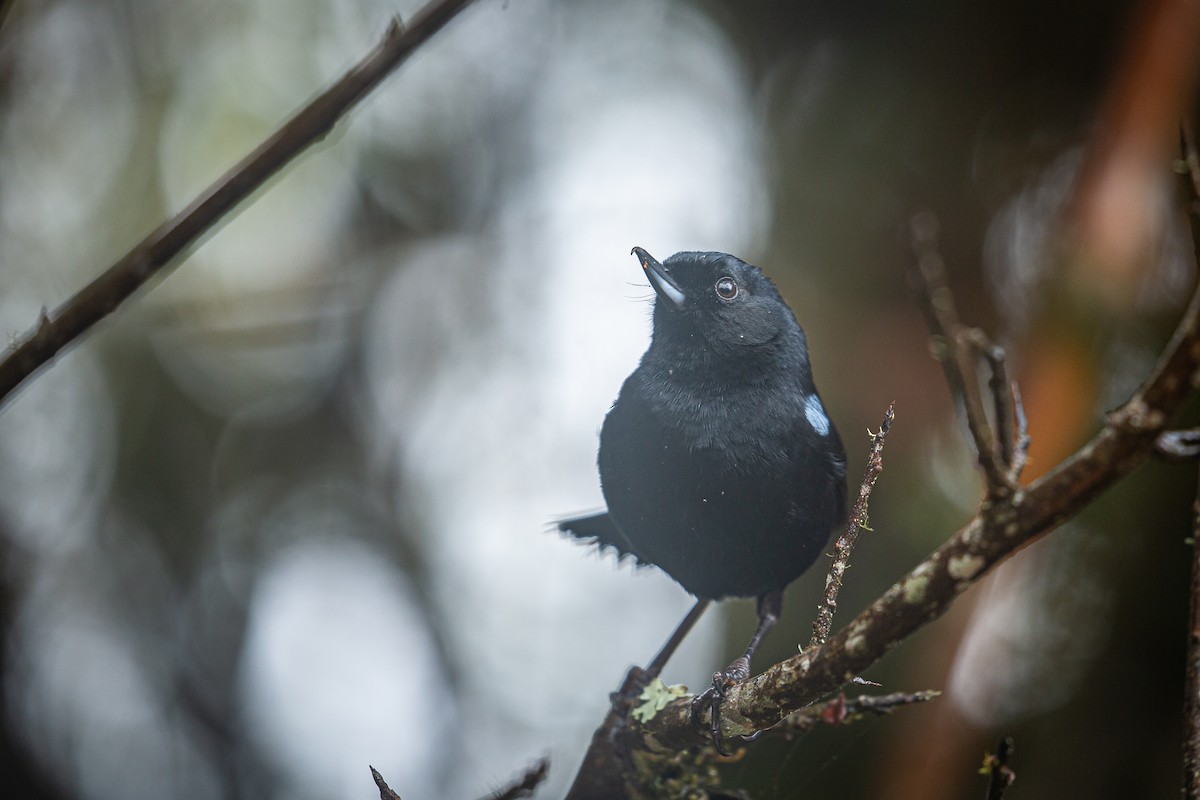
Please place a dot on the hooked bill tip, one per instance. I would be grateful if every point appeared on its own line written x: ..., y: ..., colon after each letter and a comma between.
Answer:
x: 659, y: 276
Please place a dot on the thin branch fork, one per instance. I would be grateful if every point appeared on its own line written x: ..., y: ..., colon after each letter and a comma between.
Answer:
x: 1002, y: 452
x: 1183, y: 444
x: 57, y: 329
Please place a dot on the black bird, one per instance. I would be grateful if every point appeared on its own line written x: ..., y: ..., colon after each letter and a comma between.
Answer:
x: 718, y: 461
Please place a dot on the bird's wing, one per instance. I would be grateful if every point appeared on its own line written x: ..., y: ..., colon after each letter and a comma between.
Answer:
x: 600, y: 530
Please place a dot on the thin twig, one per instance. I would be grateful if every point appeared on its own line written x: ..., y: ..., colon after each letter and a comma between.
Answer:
x: 1188, y: 442
x: 659, y: 662
x: 842, y: 709
x: 1191, y: 697
x: 1002, y: 394
x: 59, y: 328
x: 524, y: 785
x: 859, y: 521
x: 995, y: 765
x: 1184, y: 444
x: 1191, y: 181
x: 953, y: 348
x: 385, y: 791
x: 1021, y: 451
x: 1191, y: 161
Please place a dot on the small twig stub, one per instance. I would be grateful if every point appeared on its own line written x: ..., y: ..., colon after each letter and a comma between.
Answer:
x: 843, y: 710
x: 995, y: 766
x: 385, y: 791
x: 524, y: 785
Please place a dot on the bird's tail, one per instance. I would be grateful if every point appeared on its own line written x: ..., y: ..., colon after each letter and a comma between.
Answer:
x: 598, y: 529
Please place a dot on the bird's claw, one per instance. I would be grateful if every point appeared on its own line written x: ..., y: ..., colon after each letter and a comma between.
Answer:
x: 714, y: 696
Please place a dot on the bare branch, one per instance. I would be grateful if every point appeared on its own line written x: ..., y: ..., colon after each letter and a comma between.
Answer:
x: 61, y: 327
x: 385, y: 791
x: 524, y: 785
x: 607, y: 764
x: 1191, y: 697
x: 954, y: 347
x: 996, y: 766
x: 845, y: 543
x: 1003, y: 410
x: 1181, y: 445
x: 842, y: 709
x: 1021, y: 451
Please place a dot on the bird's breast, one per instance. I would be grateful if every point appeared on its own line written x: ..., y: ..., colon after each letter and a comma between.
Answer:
x: 741, y: 421
x: 731, y: 496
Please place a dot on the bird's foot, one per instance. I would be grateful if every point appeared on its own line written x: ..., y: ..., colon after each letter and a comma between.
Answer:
x: 714, y: 696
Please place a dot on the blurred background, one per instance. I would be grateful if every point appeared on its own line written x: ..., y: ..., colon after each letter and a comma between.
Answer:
x: 288, y: 513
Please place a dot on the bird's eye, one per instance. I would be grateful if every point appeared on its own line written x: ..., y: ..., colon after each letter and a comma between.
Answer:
x: 727, y: 288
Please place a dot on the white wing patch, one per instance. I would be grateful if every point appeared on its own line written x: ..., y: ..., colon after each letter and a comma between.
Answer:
x: 814, y: 412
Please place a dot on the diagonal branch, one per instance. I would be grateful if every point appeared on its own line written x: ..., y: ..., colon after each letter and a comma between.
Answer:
x: 1191, y: 167
x: 525, y: 785
x: 62, y: 326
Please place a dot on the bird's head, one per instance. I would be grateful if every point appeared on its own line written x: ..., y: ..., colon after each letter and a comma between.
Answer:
x: 730, y: 305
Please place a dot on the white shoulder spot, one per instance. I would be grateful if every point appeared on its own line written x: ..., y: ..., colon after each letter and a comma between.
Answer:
x: 814, y: 412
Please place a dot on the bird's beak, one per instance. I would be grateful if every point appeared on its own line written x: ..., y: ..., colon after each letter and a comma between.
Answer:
x: 664, y: 285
